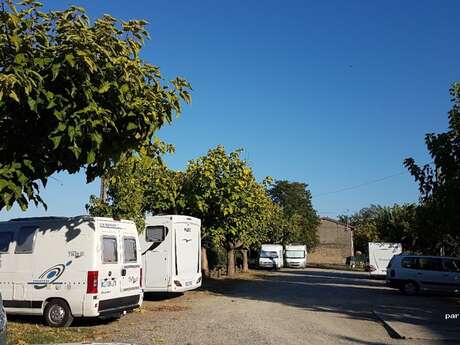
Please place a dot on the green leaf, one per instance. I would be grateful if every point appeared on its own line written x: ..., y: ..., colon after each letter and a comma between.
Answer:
x: 28, y: 164
x: 20, y: 59
x: 16, y: 41
x: 91, y: 157
x: 14, y: 96
x: 55, y: 70
x: 104, y: 88
x: 32, y: 104
x: 76, y: 151
x: 70, y: 59
x: 131, y: 126
x: 56, y: 140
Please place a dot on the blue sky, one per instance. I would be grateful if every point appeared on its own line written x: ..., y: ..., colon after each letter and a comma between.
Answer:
x: 331, y: 93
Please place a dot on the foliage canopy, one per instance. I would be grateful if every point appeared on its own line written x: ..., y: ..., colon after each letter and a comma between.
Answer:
x: 73, y: 94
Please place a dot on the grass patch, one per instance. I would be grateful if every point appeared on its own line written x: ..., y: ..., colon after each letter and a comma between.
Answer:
x: 23, y: 334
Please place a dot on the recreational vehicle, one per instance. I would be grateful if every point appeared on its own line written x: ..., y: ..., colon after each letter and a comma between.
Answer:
x: 380, y: 254
x: 171, y: 253
x: 296, y: 256
x: 69, y: 267
x: 271, y: 256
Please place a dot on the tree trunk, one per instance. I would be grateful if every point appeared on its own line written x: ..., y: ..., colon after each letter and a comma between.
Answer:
x: 230, y: 261
x: 245, y: 260
x: 204, y: 262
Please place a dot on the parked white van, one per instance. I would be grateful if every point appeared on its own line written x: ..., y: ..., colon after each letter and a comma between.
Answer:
x: 296, y: 256
x: 171, y: 253
x: 380, y: 254
x: 412, y: 274
x: 271, y: 256
x: 69, y: 267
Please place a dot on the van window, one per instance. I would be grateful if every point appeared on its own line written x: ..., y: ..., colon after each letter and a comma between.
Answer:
x: 155, y: 233
x: 129, y: 250
x: 268, y: 254
x: 25, y: 240
x: 409, y: 263
x: 295, y: 254
x: 5, y: 239
x: 430, y: 264
x: 109, y: 250
x: 451, y: 265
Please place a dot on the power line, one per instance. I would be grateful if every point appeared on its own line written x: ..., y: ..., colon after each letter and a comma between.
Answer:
x: 360, y: 185
x: 365, y: 183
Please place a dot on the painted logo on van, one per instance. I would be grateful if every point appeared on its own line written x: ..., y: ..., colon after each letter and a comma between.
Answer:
x: 50, y: 276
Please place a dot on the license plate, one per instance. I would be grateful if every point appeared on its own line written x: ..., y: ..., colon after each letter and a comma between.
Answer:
x: 188, y: 283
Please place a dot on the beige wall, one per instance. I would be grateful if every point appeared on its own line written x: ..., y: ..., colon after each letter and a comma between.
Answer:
x: 335, y: 243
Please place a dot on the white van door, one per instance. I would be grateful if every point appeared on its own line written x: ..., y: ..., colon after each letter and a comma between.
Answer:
x: 156, y: 256
x: 131, y: 269
x: 111, y: 270
x: 187, y: 251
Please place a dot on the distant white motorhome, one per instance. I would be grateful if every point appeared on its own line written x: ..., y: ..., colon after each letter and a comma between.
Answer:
x: 171, y: 253
x: 69, y: 267
x: 380, y: 254
x: 271, y: 256
x: 296, y: 256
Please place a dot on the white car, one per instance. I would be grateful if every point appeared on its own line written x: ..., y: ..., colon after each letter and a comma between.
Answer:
x: 413, y: 273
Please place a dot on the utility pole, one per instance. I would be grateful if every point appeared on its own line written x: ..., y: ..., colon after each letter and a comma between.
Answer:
x: 103, y: 190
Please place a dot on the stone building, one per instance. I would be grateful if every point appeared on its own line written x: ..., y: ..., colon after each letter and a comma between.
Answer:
x: 335, y: 243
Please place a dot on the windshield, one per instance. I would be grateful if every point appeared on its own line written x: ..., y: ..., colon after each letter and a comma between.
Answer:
x: 268, y: 254
x: 295, y: 254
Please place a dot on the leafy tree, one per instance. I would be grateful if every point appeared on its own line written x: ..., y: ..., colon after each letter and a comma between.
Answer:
x: 294, y: 199
x: 138, y: 185
x: 73, y: 94
x: 397, y: 223
x: 364, y: 225
x: 221, y: 190
x: 440, y: 185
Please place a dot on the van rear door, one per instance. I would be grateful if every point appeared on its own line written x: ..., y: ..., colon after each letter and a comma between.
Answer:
x: 109, y: 275
x: 187, y: 251
x: 131, y: 269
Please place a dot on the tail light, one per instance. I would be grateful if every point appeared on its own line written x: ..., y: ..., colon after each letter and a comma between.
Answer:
x: 92, y: 282
x: 141, y: 284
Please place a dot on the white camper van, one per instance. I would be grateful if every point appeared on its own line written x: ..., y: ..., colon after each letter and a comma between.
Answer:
x: 69, y: 267
x: 296, y: 256
x: 271, y: 256
x: 380, y: 254
x: 171, y: 253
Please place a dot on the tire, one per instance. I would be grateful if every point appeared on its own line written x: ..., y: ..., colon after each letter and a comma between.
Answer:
x: 410, y: 288
x: 58, y: 314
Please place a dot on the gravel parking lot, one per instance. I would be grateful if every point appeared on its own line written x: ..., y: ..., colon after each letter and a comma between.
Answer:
x: 310, y: 306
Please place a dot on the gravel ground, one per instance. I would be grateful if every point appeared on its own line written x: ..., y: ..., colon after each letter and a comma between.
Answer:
x: 311, y: 306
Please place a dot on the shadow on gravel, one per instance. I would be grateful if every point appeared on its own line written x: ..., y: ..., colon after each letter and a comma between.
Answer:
x: 78, y: 322
x: 346, y: 294
x: 161, y: 296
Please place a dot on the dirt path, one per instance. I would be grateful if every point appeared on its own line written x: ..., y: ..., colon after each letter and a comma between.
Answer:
x: 294, y: 307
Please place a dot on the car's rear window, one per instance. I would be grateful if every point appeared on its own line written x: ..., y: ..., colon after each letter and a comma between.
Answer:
x: 430, y: 264
x: 409, y: 262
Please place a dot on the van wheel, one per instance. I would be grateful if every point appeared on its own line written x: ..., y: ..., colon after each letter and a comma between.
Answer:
x: 58, y: 314
x: 410, y: 288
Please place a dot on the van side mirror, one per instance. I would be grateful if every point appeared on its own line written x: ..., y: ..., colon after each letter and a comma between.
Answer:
x: 156, y: 233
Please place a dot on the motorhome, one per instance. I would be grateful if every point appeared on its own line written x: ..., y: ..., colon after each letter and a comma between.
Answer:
x: 271, y: 256
x: 380, y: 254
x: 171, y: 253
x: 63, y: 268
x: 296, y: 256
